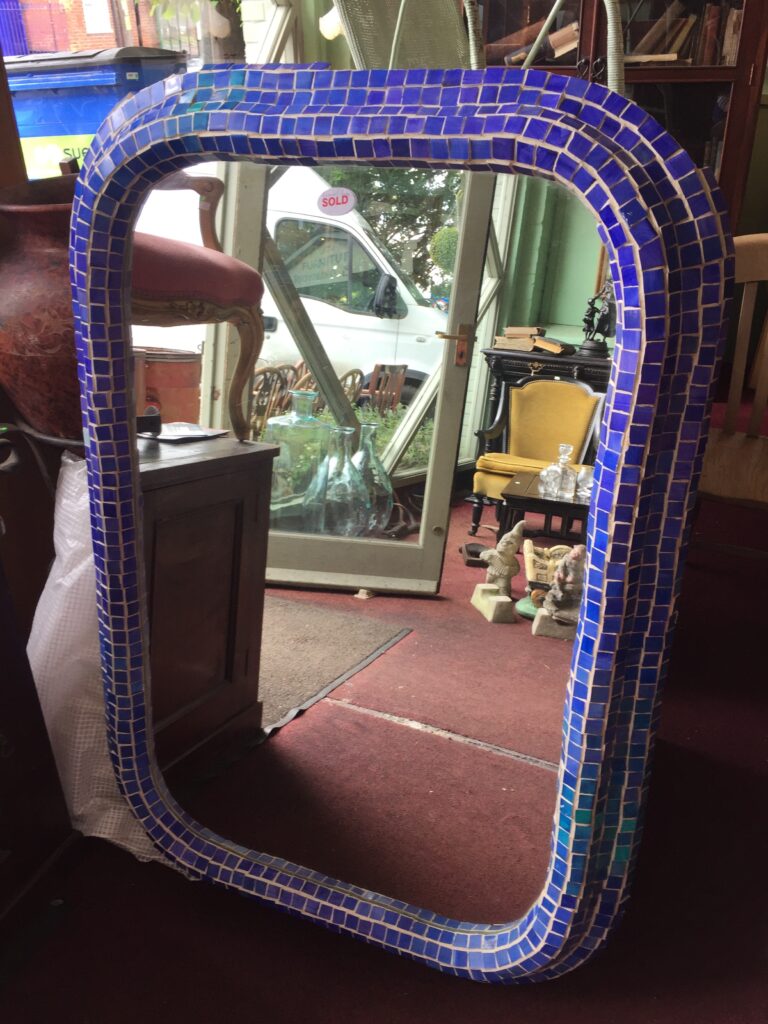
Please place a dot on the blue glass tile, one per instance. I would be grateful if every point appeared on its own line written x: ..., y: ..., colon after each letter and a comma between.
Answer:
x: 643, y: 467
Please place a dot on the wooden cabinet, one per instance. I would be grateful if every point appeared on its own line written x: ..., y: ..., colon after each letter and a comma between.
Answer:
x: 509, y: 367
x: 206, y: 517
x: 696, y: 65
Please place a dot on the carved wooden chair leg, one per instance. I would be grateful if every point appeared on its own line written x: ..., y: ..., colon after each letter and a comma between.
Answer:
x: 250, y: 328
x: 206, y: 287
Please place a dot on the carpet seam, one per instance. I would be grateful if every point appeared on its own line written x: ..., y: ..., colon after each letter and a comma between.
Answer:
x: 412, y: 723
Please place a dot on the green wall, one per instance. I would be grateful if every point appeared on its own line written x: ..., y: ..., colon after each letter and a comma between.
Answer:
x: 554, y: 258
x: 574, y: 252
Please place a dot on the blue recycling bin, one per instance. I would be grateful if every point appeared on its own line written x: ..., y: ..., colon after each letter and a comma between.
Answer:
x: 61, y: 99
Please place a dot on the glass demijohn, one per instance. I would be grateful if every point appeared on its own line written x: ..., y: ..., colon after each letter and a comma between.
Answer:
x: 336, y: 500
x: 303, y: 441
x: 375, y: 478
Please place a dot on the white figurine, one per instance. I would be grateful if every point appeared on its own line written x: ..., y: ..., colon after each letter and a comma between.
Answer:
x: 564, y: 596
x: 559, y: 615
x: 502, y: 560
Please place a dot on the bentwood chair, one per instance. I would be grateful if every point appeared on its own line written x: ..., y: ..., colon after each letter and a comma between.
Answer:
x: 385, y: 387
x: 290, y: 377
x: 352, y: 383
x: 268, y: 392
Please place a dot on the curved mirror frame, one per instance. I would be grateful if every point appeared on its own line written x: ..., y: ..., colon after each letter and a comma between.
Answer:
x: 661, y: 219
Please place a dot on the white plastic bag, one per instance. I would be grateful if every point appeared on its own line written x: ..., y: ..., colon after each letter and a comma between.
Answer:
x: 63, y: 651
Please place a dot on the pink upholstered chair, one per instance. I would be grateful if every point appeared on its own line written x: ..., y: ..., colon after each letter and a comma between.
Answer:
x: 178, y: 283
x: 173, y: 283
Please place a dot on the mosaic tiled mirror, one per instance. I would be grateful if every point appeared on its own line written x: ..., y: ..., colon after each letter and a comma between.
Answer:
x: 661, y: 219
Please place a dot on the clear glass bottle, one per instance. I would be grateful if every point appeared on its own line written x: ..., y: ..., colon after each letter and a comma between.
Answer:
x: 313, y: 503
x: 376, y: 479
x: 336, y: 500
x: 584, y: 483
x: 303, y: 441
x: 559, y: 479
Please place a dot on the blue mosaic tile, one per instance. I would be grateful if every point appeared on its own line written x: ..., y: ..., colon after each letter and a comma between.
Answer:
x: 662, y: 220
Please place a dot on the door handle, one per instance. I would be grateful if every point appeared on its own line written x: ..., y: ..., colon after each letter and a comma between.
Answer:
x: 420, y: 339
x: 462, y: 339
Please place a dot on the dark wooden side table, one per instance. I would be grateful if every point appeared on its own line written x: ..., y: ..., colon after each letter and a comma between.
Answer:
x: 206, y: 518
x: 521, y: 495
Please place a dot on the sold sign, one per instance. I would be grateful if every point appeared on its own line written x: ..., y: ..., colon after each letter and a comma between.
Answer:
x: 337, y: 201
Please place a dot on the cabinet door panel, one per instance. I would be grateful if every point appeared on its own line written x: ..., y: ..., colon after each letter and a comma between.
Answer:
x: 194, y: 584
x: 34, y: 822
x: 686, y: 33
x: 205, y: 527
x: 694, y: 113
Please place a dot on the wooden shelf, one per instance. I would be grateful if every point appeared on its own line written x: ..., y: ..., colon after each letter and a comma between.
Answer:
x: 742, y: 81
x: 680, y: 73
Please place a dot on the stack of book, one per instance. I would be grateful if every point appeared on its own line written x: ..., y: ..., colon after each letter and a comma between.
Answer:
x: 530, y: 339
x: 709, y: 36
x: 518, y: 339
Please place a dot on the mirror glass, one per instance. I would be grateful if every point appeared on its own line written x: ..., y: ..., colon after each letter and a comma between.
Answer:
x: 395, y: 247
x: 359, y: 275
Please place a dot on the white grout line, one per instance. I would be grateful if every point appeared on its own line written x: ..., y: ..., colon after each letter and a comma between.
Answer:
x: 411, y: 723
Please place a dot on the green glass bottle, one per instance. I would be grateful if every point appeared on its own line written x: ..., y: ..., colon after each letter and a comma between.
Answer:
x: 303, y: 441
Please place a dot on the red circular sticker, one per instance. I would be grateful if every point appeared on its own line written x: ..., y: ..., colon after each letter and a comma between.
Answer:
x: 336, y: 201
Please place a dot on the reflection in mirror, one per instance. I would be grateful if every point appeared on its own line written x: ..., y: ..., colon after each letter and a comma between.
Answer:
x: 368, y: 254
x: 357, y: 248
x: 548, y: 374
x: 647, y: 458
x: 557, y: 264
x: 329, y: 481
x: 336, y: 265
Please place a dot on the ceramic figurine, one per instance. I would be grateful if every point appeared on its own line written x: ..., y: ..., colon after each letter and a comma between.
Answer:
x: 564, y: 596
x: 502, y: 560
x: 560, y: 611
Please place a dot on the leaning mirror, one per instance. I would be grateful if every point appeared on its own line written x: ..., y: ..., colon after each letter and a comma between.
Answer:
x: 660, y: 220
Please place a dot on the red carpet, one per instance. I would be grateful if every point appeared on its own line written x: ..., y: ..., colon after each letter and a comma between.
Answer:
x: 392, y: 809
x: 429, y: 818
x: 494, y: 683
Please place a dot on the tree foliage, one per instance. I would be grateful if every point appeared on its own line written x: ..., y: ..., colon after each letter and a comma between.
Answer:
x: 169, y: 9
x: 405, y: 207
x: 443, y: 246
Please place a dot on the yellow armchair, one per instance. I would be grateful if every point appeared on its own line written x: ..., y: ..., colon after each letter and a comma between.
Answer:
x: 534, y: 417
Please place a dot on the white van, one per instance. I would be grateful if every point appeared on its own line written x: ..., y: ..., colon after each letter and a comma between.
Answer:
x: 365, y: 308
